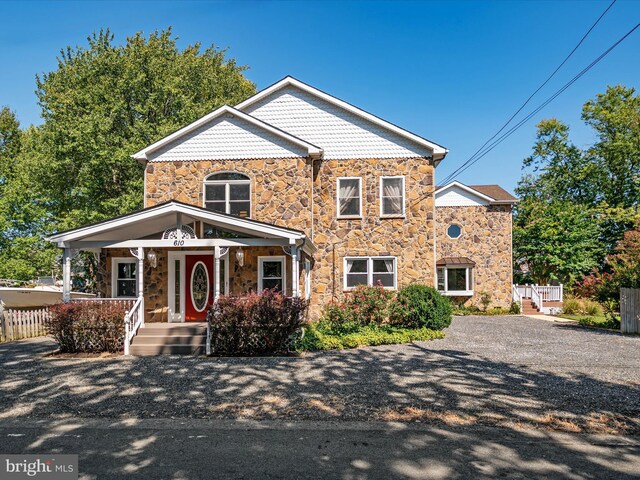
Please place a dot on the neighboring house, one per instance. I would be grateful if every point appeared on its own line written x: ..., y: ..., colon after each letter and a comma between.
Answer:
x: 296, y: 190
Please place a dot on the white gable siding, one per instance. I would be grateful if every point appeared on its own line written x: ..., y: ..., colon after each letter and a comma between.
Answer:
x: 457, y: 197
x: 227, y: 138
x: 340, y: 133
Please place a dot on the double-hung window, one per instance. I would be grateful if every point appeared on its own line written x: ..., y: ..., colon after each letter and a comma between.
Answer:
x: 455, y: 278
x: 124, y: 277
x: 228, y: 192
x: 370, y: 271
x: 391, y: 196
x: 272, y: 273
x: 349, y: 197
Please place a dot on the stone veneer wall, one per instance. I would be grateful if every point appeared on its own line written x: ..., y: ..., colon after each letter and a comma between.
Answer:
x: 485, y: 239
x: 156, y: 288
x: 281, y: 193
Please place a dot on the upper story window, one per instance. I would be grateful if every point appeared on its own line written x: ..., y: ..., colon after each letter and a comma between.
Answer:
x: 228, y: 192
x: 391, y: 196
x: 349, y: 197
x: 370, y: 271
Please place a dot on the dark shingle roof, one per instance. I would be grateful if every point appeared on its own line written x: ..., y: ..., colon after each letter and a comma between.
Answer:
x: 446, y: 261
x: 496, y: 192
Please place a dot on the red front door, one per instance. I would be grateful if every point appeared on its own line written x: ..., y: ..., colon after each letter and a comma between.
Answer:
x: 199, y: 286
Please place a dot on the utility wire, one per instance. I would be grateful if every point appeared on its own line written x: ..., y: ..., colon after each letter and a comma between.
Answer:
x: 504, y: 136
x: 459, y: 169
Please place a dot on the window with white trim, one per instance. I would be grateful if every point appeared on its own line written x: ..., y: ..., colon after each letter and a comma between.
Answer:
x: 392, y: 196
x: 123, y: 277
x: 370, y: 271
x: 454, y: 231
x: 271, y: 273
x: 455, y: 280
x: 228, y: 192
x: 349, y: 197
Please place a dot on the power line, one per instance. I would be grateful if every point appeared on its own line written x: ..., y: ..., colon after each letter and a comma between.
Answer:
x: 455, y: 172
x: 503, y: 137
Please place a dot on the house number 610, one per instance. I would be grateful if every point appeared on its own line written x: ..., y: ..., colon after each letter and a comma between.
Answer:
x: 178, y: 243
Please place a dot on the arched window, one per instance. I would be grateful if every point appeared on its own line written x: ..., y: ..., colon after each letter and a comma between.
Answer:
x: 228, y: 192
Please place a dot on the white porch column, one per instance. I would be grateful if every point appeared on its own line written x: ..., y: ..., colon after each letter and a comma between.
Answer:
x: 216, y: 274
x: 140, y: 276
x: 295, y: 272
x: 66, y: 275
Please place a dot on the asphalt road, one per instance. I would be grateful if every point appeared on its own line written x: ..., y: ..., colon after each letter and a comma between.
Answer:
x: 237, y: 449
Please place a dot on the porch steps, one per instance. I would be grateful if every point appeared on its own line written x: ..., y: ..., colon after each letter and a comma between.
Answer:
x: 529, y: 308
x: 170, y: 339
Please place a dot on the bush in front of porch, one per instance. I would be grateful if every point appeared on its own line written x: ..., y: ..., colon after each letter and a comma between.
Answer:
x: 87, y: 327
x: 256, y: 324
x: 375, y: 316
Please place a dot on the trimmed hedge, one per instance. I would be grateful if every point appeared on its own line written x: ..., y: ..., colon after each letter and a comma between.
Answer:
x: 87, y: 327
x: 255, y: 324
x: 323, y: 336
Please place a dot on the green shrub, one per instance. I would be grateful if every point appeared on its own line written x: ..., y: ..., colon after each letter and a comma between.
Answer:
x: 420, y: 306
x: 515, y: 309
x: 591, y: 308
x: 572, y: 306
x: 362, y: 306
x: 321, y: 336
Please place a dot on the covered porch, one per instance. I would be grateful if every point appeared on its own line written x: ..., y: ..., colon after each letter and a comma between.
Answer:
x: 173, y: 260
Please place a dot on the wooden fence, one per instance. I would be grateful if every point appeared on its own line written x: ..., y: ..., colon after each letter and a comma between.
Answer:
x: 630, y: 310
x: 17, y: 324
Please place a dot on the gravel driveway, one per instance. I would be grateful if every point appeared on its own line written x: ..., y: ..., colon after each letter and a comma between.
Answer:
x: 504, y: 371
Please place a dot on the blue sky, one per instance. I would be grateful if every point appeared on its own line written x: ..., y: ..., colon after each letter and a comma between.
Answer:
x: 452, y: 72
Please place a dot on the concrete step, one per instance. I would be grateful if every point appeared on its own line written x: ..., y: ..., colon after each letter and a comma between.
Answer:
x: 195, y: 340
x: 153, y: 330
x: 148, y: 350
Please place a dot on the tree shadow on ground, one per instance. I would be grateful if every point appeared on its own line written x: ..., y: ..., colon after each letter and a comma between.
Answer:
x: 455, y: 394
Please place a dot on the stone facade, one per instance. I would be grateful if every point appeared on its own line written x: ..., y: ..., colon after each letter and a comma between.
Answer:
x: 283, y: 192
x: 485, y: 239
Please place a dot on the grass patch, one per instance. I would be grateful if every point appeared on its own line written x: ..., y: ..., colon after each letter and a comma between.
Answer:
x: 322, y: 336
x: 599, y: 321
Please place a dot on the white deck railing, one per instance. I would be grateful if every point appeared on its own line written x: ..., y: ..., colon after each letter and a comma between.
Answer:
x: 551, y: 293
x: 132, y: 321
x: 515, y: 294
x: 536, y: 298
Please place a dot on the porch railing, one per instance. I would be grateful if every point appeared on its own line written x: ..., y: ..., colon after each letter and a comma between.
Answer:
x: 551, y: 293
x: 515, y: 295
x: 132, y: 321
x: 536, y: 298
x: 127, y: 303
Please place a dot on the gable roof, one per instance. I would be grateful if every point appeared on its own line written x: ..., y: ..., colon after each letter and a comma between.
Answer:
x: 143, y: 155
x: 155, y: 219
x: 496, y: 192
x: 438, y: 152
x: 492, y: 194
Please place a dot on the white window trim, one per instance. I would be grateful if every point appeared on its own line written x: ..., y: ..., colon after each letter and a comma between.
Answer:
x: 461, y: 231
x: 359, y: 215
x: 114, y: 274
x: 404, y: 198
x: 280, y: 258
x: 227, y: 190
x: 370, y: 271
x: 456, y: 293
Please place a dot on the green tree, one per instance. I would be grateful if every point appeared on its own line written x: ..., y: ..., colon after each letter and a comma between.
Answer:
x: 597, y: 186
x: 107, y: 101
x: 102, y: 103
